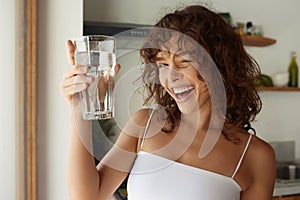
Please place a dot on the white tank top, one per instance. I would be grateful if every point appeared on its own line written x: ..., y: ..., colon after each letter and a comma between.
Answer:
x: 157, y: 178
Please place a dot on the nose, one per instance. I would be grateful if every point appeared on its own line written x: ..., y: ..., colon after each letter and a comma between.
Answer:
x: 173, y: 74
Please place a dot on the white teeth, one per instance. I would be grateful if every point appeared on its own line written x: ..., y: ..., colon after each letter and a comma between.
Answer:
x: 182, y: 89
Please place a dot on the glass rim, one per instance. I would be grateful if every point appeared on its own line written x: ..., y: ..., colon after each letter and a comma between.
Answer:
x: 94, y: 38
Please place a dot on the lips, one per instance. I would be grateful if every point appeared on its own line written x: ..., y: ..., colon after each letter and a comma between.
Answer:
x: 182, y: 93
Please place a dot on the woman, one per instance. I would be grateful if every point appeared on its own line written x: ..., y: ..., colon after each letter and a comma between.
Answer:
x: 197, y: 144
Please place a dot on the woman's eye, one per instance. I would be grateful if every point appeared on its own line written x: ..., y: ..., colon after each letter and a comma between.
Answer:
x: 185, y: 63
x: 161, y: 65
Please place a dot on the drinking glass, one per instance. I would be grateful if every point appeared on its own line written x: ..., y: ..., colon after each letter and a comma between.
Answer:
x: 99, y: 53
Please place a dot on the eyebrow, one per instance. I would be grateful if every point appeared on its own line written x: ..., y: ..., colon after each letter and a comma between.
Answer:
x: 162, y: 56
x: 182, y: 53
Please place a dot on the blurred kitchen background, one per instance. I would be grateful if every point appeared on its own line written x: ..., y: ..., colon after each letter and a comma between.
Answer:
x: 279, y: 119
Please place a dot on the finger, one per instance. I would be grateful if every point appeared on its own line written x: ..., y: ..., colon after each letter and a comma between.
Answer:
x: 102, y: 88
x: 75, y: 70
x: 68, y: 92
x: 77, y: 80
x: 70, y: 48
x: 117, y: 69
x: 74, y: 89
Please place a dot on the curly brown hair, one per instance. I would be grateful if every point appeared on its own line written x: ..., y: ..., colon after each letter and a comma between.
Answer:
x: 237, y: 68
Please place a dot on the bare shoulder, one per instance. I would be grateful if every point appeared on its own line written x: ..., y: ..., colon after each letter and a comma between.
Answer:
x: 137, y: 123
x: 262, y: 167
x: 261, y: 152
x: 141, y: 116
x: 129, y: 138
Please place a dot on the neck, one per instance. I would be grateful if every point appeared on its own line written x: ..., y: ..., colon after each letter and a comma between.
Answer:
x: 200, y: 118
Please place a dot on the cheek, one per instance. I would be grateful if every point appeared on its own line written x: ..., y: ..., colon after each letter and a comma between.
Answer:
x: 162, y: 78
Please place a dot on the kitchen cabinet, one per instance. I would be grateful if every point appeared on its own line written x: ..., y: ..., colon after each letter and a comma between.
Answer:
x: 293, y: 197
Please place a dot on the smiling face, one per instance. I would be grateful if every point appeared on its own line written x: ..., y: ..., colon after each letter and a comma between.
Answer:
x: 180, y: 78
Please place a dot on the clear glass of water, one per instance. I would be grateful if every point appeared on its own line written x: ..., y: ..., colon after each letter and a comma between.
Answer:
x: 99, y: 53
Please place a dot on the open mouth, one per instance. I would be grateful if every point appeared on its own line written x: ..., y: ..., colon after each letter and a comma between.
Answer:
x: 183, y: 93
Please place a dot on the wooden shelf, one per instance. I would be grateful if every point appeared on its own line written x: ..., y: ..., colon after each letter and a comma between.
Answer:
x: 257, y: 41
x: 280, y: 89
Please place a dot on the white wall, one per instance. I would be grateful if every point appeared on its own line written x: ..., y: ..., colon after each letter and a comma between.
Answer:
x: 279, y: 119
x: 7, y: 100
x: 58, y: 21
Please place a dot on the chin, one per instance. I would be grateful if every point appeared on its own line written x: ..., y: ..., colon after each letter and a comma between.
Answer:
x: 188, y: 108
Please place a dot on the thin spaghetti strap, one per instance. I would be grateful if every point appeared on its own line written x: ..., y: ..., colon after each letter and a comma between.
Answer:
x: 146, y: 129
x: 241, y: 159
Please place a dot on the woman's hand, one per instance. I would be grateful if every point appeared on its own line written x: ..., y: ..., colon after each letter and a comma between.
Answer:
x: 75, y: 79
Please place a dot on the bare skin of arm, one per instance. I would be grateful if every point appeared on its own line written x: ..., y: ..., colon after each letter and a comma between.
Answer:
x: 85, y: 180
x: 261, y: 162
